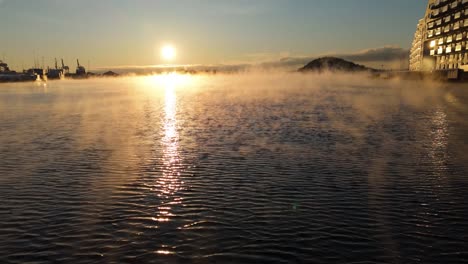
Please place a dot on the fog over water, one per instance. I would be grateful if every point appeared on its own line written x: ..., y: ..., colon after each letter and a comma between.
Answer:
x: 241, y: 168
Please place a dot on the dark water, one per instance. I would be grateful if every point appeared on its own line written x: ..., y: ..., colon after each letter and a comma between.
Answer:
x: 234, y: 169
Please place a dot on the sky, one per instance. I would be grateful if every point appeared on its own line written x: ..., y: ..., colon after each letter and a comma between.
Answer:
x: 105, y: 33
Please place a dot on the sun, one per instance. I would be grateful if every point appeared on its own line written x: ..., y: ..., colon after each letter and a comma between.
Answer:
x: 168, y: 52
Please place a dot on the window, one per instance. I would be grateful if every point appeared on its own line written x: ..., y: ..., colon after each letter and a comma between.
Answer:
x: 458, y: 47
x: 454, y: 4
x: 457, y: 15
x: 465, y: 23
x: 444, y: 9
x: 439, y: 21
x: 447, y: 19
x: 440, y: 50
x: 456, y: 26
x: 432, y: 52
x: 438, y: 31
x: 449, y: 39
x: 430, y: 33
x: 430, y: 25
x: 432, y: 44
x: 441, y: 41
x: 459, y: 36
x: 448, y: 49
x: 447, y: 29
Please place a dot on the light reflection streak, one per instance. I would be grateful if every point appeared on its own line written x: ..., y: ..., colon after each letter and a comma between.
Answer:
x: 169, y: 182
x: 439, y: 137
x: 164, y: 252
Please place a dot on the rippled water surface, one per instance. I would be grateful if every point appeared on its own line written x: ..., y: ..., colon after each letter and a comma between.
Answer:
x: 234, y: 169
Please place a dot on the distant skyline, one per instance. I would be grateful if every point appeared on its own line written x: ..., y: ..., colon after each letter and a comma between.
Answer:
x: 110, y: 33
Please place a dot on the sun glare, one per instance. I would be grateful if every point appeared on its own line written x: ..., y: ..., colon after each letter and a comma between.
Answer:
x: 168, y: 81
x: 168, y: 52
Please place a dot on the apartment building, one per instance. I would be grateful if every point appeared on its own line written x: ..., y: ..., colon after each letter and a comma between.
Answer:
x: 445, y: 44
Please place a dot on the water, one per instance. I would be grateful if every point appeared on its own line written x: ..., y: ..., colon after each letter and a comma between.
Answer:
x: 274, y: 168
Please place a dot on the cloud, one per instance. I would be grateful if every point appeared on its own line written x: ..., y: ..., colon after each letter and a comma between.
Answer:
x: 386, y: 53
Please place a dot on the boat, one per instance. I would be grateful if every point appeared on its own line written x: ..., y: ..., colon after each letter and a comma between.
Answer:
x: 39, y: 72
x: 18, y: 77
x: 7, y: 75
x: 56, y: 73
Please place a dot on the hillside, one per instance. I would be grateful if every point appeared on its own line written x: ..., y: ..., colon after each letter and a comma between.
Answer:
x: 333, y: 64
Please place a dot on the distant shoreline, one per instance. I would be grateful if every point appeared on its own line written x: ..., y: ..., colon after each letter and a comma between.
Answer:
x: 447, y: 76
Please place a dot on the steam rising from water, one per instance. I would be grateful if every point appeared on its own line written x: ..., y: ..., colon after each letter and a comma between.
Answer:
x: 349, y: 104
x: 270, y: 166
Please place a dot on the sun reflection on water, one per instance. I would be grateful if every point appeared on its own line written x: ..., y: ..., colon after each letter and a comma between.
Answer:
x: 169, y: 182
